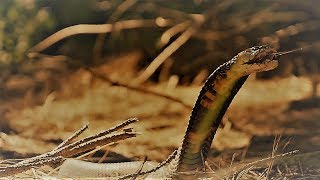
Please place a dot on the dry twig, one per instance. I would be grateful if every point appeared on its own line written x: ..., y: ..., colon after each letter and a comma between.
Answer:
x: 182, y: 39
x: 168, y: 34
x: 21, y: 167
x: 58, y: 155
x: 98, y: 45
x: 72, y: 137
x: 135, y: 88
x: 74, y: 148
x: 97, y: 29
x: 163, y: 163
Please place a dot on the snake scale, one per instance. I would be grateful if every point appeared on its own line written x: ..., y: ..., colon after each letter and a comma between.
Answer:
x: 214, y: 98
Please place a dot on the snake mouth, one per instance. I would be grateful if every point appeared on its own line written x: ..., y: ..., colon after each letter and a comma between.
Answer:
x: 263, y: 57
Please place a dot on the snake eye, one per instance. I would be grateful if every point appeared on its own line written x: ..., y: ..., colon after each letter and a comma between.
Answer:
x: 256, y: 48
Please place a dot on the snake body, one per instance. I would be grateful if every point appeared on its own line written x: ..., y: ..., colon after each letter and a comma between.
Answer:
x: 213, y: 100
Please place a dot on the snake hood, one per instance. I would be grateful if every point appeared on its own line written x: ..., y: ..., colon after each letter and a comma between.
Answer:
x: 255, y: 59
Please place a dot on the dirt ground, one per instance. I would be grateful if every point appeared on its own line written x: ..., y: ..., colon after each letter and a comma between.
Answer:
x: 261, y: 111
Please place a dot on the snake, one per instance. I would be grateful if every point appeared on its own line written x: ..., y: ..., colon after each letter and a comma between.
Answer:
x: 213, y: 100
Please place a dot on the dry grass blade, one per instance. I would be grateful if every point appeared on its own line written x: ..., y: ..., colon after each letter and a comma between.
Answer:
x: 274, y: 150
x: 163, y: 163
x: 236, y: 169
x: 140, y: 169
x: 242, y: 173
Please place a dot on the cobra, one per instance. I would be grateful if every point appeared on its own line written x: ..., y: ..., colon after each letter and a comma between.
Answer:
x: 214, y: 98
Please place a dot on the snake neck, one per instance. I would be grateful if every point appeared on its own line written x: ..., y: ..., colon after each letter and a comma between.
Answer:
x: 211, y: 105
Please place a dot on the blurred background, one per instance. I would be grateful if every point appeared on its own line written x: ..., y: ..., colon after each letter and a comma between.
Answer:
x: 61, y: 62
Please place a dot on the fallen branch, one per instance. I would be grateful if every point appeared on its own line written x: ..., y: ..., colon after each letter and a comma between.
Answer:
x: 135, y: 88
x: 112, y: 82
x: 103, y: 133
x: 67, y: 149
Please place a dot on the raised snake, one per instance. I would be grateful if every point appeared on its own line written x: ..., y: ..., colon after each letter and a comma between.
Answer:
x: 214, y: 98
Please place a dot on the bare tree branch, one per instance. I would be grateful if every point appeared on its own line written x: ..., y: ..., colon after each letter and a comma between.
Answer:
x: 98, y: 45
x: 183, y: 38
x: 97, y: 29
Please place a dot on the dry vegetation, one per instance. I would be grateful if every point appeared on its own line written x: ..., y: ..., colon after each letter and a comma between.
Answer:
x: 263, y: 136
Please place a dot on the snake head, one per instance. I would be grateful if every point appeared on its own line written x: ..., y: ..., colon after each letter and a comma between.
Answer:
x: 257, y: 59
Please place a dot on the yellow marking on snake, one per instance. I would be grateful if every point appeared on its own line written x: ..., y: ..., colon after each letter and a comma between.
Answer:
x: 210, y: 96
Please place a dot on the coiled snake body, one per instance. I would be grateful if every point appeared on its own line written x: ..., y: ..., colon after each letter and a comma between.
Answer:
x: 214, y: 99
